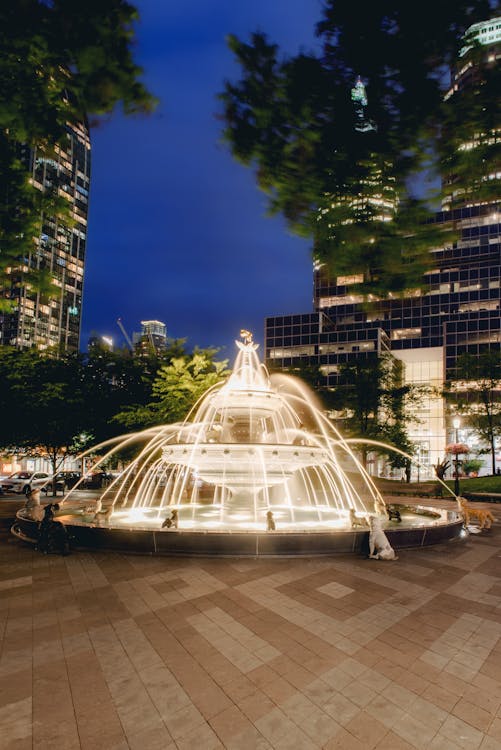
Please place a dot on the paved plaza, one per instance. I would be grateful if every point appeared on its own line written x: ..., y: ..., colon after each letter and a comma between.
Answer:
x: 108, y: 650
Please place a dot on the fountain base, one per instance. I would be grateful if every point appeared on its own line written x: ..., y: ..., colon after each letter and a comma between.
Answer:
x: 140, y: 539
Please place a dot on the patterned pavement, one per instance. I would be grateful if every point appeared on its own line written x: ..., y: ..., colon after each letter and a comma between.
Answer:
x: 108, y: 650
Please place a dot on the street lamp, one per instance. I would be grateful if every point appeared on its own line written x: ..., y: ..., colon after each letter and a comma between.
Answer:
x: 456, y: 423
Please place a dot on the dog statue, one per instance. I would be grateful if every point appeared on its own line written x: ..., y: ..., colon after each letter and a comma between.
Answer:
x: 109, y: 513
x: 484, y: 517
x: 357, y: 520
x: 379, y: 506
x: 379, y: 546
x: 393, y: 514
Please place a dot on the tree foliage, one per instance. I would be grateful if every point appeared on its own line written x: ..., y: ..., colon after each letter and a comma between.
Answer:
x: 292, y: 121
x: 375, y: 404
x: 54, y: 406
x: 176, y: 389
x: 48, y: 402
x: 42, y: 403
x: 61, y: 62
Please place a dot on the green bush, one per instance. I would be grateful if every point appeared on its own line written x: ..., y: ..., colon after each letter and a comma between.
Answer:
x: 472, y: 465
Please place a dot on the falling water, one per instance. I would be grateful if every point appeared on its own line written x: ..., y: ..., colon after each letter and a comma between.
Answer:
x: 252, y: 444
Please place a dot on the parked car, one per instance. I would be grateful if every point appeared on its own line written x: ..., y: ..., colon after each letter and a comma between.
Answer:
x: 96, y: 480
x: 65, y: 480
x: 24, y: 481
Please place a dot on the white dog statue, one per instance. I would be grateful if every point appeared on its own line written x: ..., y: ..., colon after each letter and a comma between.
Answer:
x: 379, y: 546
x: 32, y: 508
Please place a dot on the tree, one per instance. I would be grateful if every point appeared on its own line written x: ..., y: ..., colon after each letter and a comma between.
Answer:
x: 326, y: 161
x: 176, y: 388
x: 374, y: 403
x: 61, y: 62
x: 56, y: 406
x: 475, y: 393
x: 43, y: 404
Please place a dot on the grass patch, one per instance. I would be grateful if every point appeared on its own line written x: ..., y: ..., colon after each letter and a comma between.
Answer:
x: 478, y: 484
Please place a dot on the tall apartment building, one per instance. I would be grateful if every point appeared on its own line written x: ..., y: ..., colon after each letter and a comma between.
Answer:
x: 456, y: 310
x: 60, y: 248
x: 153, y: 337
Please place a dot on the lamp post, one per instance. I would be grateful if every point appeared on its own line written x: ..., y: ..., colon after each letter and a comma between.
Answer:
x: 456, y: 423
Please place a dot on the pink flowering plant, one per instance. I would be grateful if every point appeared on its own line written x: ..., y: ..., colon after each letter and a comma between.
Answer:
x: 456, y: 448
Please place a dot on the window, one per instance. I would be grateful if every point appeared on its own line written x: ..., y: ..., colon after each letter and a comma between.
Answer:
x: 405, y: 333
x: 346, y: 280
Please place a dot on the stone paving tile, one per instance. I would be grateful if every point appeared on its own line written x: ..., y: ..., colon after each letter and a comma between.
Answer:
x: 107, y: 650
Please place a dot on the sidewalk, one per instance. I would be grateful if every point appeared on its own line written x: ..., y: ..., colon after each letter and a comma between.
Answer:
x: 105, y: 650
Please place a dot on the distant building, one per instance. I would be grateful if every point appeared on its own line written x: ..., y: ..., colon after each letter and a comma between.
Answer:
x: 153, y: 337
x: 456, y: 310
x: 100, y: 343
x: 60, y: 248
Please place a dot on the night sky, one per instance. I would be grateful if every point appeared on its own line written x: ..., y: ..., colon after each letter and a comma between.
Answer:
x: 177, y: 229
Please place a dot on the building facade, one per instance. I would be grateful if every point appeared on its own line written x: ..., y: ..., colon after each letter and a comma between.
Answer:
x: 36, y: 321
x: 456, y: 310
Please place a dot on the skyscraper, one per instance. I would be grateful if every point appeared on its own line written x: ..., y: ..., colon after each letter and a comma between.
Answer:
x: 456, y: 310
x: 35, y: 321
x: 153, y: 337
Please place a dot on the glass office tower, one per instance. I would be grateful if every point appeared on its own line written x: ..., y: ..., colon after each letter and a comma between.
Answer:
x: 456, y: 310
x: 153, y: 337
x: 59, y: 248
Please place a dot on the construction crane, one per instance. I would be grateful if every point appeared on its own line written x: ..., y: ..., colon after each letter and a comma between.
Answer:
x: 125, y: 334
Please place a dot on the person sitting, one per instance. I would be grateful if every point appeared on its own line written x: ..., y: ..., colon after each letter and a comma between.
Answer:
x: 58, y: 538
x: 53, y: 536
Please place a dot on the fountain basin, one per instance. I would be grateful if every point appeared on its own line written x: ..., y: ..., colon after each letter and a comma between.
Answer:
x: 429, y: 526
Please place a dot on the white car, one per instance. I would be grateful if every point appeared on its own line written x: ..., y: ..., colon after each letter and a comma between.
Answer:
x: 24, y: 481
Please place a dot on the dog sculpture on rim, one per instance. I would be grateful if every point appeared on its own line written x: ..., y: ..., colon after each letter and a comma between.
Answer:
x: 485, y: 517
x: 379, y: 546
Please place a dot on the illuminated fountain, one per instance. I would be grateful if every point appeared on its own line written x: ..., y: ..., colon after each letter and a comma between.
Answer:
x: 252, y: 446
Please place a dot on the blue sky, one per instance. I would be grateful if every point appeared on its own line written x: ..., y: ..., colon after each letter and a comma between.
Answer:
x: 177, y: 229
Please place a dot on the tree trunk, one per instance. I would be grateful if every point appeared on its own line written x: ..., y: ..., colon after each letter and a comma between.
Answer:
x: 364, y: 453
x: 53, y: 461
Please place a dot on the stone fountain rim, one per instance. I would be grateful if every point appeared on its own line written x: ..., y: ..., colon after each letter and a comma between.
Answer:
x: 216, y: 543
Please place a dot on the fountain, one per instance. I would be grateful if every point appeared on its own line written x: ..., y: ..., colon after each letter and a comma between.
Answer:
x: 255, y: 454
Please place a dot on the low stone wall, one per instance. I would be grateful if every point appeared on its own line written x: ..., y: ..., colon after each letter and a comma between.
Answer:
x: 482, y: 497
